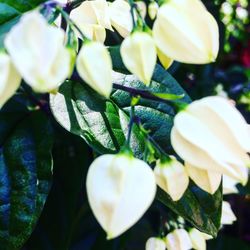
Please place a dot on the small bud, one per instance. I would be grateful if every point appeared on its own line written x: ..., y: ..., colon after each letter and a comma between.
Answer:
x: 155, y: 244
x: 198, y: 240
x: 120, y: 189
x: 178, y: 240
x: 212, y: 135
x: 37, y: 50
x: 153, y: 9
x: 171, y: 176
x: 94, y: 66
x: 120, y: 17
x: 186, y: 34
x: 139, y: 55
x: 9, y: 79
x: 209, y: 181
x: 227, y: 216
x: 142, y: 8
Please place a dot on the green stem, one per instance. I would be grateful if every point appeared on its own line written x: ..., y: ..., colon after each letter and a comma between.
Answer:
x: 130, y: 125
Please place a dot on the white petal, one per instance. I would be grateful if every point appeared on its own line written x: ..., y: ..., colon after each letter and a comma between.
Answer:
x: 197, y: 239
x: 227, y: 217
x: 178, y: 240
x: 155, y: 244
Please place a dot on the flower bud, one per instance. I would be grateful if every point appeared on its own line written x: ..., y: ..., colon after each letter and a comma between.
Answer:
x: 142, y: 8
x: 37, y: 50
x: 139, y: 55
x: 171, y: 176
x: 9, y: 79
x: 153, y: 9
x: 227, y: 216
x: 197, y: 239
x: 186, y: 34
x: 155, y: 244
x: 120, y: 189
x: 209, y: 181
x: 212, y: 135
x: 120, y: 17
x: 178, y: 240
x: 94, y: 66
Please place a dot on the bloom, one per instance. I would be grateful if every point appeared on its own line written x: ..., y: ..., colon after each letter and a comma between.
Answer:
x: 212, y: 135
x: 227, y: 216
x: 155, y: 244
x: 92, y: 17
x: 178, y: 240
x: 120, y: 189
x: 38, y: 53
x: 9, y: 78
x: 209, y: 181
x: 94, y: 66
x: 197, y: 238
x: 120, y: 17
x: 229, y: 185
x: 171, y: 176
x: 139, y: 55
x: 186, y: 34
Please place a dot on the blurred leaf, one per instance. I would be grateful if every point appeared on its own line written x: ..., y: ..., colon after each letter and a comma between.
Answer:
x: 25, y: 172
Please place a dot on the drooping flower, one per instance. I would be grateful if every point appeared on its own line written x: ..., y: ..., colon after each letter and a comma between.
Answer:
x: 154, y: 243
x: 37, y: 50
x: 178, y: 240
x: 209, y: 181
x: 94, y: 66
x: 171, y: 176
x: 212, y: 135
x: 9, y: 78
x: 186, y: 32
x: 198, y: 240
x: 139, y: 55
x: 120, y: 189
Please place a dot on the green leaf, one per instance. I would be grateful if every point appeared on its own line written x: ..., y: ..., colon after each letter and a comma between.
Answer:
x: 201, y: 209
x: 10, y: 12
x: 100, y: 122
x: 25, y: 173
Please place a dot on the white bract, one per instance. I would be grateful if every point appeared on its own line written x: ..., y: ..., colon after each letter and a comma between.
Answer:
x: 154, y: 243
x: 227, y: 216
x: 212, y: 135
x: 37, y: 50
x: 9, y: 78
x: 94, y: 66
x: 171, y: 176
x: 209, y: 181
x: 92, y: 17
x: 139, y: 55
x: 120, y: 189
x: 197, y: 238
x: 186, y: 32
x: 178, y: 240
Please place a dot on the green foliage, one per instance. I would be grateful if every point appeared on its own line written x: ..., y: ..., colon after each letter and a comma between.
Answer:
x: 25, y: 172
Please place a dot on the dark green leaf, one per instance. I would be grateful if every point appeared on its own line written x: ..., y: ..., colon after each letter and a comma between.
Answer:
x: 199, y: 208
x: 25, y: 173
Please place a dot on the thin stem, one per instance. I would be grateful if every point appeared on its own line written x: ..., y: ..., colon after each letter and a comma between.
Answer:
x: 131, y: 123
x: 132, y: 6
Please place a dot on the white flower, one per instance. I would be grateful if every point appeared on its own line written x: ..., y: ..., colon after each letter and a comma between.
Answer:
x: 227, y: 216
x: 212, y: 135
x: 165, y: 60
x: 209, y: 181
x: 178, y: 240
x: 198, y: 240
x: 9, y: 78
x: 171, y: 176
x: 155, y: 244
x: 94, y: 66
x: 92, y: 18
x: 229, y: 185
x: 38, y: 53
x: 186, y: 32
x: 120, y: 17
x: 120, y: 189
x: 139, y: 55
x: 153, y: 9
